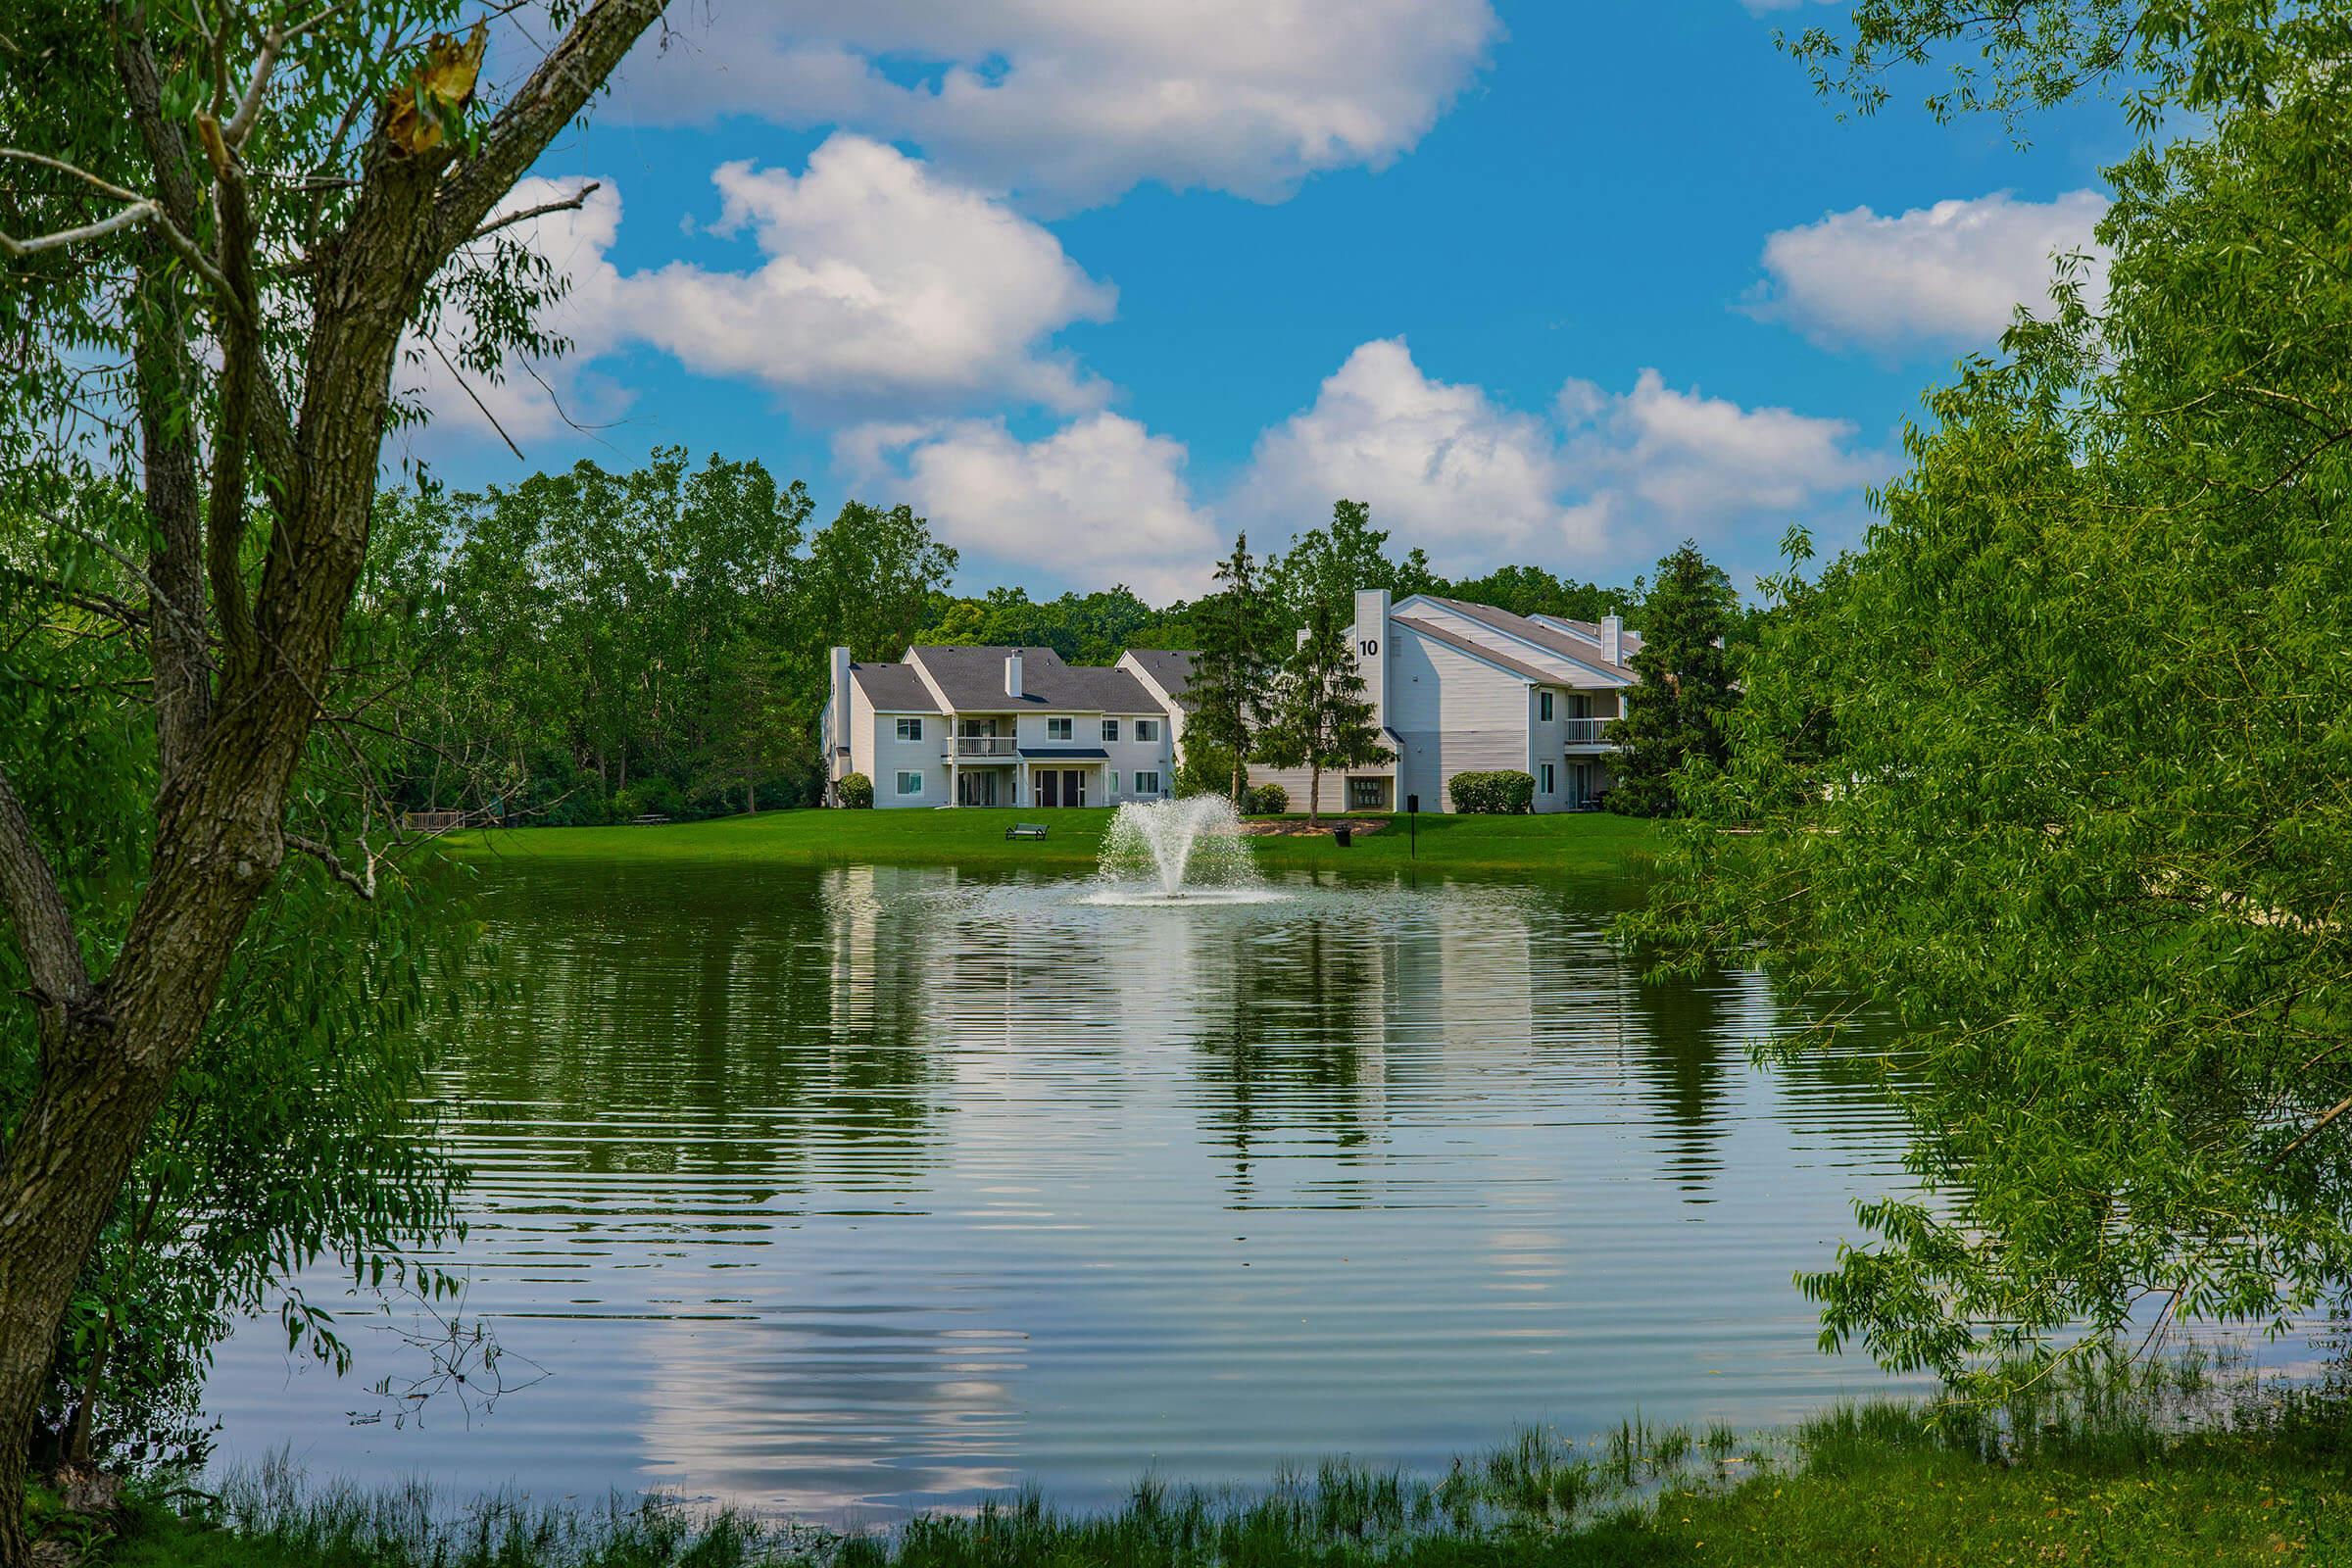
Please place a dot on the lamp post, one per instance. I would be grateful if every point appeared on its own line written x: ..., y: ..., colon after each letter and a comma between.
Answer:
x: 1412, y: 826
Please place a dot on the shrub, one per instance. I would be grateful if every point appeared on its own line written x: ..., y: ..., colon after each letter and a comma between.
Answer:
x: 857, y: 791
x: 1265, y: 800
x: 1509, y: 792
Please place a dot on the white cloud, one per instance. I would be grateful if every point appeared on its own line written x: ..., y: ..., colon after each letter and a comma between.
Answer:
x: 1609, y: 482
x: 1071, y: 102
x: 1950, y: 273
x: 1101, y: 500
x: 1693, y: 460
x: 881, y: 279
x: 881, y: 283
x: 1441, y: 466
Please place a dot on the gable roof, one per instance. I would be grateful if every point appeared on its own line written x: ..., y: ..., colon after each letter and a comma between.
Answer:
x: 1170, y: 670
x: 1478, y: 651
x: 894, y: 688
x: 1568, y: 645
x: 972, y: 679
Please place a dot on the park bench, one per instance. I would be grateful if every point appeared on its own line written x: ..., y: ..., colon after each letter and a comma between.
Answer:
x: 1026, y: 830
x: 648, y: 819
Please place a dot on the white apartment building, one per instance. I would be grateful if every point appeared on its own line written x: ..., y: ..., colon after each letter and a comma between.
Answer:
x: 1004, y: 726
x: 1463, y: 688
x: 1454, y: 687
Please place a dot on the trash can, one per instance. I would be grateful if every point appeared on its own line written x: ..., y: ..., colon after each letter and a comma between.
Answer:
x: 1344, y: 836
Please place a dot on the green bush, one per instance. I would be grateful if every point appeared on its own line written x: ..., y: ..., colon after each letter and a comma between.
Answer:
x: 1265, y: 800
x: 1509, y: 792
x: 857, y: 791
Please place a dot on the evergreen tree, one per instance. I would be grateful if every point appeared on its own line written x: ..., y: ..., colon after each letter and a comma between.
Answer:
x: 1323, y: 721
x: 1232, y: 670
x: 1676, y: 713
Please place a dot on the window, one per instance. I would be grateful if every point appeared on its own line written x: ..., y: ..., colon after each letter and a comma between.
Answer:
x: 1057, y: 729
x: 1147, y: 729
x: 911, y: 729
x: 1146, y: 783
x: 1543, y: 707
x: 910, y: 783
x: 1111, y: 729
x: 1549, y: 787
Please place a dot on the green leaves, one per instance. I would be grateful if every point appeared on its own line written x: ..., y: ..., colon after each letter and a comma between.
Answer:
x: 2054, y: 771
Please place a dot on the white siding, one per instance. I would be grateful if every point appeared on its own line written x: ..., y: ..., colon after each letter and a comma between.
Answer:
x: 1454, y: 715
x: 886, y: 755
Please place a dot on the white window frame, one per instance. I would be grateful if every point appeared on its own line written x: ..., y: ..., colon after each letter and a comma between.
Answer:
x: 1552, y: 783
x: 1543, y: 707
x: 1111, y: 729
x: 905, y: 773
x: 1146, y: 783
x: 1057, y: 729
x: 1147, y: 729
x: 911, y: 729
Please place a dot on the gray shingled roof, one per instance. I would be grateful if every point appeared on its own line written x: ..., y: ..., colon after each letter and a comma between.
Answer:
x: 894, y: 688
x: 1171, y: 669
x: 1436, y: 633
x: 1542, y: 636
x: 974, y: 680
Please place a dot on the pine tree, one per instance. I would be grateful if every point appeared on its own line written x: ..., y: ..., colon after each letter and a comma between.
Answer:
x: 1232, y: 671
x: 1323, y: 721
x: 1675, y: 713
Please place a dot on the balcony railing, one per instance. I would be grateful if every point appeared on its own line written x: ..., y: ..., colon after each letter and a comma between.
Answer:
x: 986, y: 746
x: 1589, y: 731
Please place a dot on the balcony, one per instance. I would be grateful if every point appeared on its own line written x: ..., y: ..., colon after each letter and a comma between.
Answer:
x: 1589, y: 731
x: 1002, y: 747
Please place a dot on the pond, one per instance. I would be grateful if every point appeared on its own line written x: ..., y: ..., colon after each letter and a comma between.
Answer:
x: 849, y: 1191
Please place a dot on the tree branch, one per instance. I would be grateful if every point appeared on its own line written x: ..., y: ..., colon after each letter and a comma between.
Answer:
x: 37, y: 910
x: 364, y: 887
x: 570, y: 204
x: 557, y: 90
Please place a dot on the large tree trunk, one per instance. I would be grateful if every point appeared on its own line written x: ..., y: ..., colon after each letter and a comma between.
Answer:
x: 111, y: 1046
x: 1314, y: 795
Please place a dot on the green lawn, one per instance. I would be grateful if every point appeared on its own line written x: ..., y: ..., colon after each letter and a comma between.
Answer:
x: 974, y: 836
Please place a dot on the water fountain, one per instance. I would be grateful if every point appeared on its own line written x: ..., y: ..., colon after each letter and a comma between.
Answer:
x: 1186, y: 848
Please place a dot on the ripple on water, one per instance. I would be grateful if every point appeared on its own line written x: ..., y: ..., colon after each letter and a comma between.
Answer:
x: 850, y: 1190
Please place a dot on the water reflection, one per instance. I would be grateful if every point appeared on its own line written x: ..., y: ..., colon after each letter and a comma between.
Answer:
x: 850, y: 1190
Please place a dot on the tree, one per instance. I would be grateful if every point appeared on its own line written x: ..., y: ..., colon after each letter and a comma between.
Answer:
x: 1322, y: 720
x: 1675, y: 715
x: 1232, y: 670
x: 1326, y: 566
x: 2051, y: 771
x: 252, y: 214
x: 1533, y: 591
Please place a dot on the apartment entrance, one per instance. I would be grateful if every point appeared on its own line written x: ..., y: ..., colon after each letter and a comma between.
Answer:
x: 1060, y: 786
x: 976, y: 787
x: 1582, y: 786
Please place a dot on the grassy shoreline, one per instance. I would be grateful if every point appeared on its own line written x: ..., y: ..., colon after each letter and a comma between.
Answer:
x: 2100, y: 1479
x: 1581, y: 843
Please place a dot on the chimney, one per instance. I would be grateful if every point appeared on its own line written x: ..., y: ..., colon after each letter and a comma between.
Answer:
x: 1370, y: 645
x: 1612, y: 639
x: 837, y: 707
x: 1012, y: 673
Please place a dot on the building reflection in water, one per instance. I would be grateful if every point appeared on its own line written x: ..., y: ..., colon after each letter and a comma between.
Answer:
x: 856, y: 1189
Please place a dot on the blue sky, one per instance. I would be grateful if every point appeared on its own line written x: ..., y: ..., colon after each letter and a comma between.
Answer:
x: 1093, y: 283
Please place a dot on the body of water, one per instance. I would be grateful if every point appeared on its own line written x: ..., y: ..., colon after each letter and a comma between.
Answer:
x: 849, y: 1191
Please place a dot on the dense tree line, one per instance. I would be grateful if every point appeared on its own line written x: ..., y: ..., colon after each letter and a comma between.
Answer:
x: 593, y: 645
x: 590, y: 645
